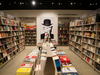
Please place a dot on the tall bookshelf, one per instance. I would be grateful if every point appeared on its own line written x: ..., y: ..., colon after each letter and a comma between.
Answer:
x: 30, y: 30
x: 63, y: 31
x: 84, y: 40
x: 10, y: 43
x: 30, y: 37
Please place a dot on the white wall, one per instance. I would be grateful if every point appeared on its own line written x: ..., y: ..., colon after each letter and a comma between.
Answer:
x: 46, y: 13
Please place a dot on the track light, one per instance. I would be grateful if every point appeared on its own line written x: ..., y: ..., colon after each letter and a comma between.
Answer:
x: 33, y: 2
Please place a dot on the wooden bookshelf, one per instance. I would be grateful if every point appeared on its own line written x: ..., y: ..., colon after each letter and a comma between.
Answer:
x: 10, y: 43
x: 84, y: 41
x: 30, y: 37
x: 63, y: 31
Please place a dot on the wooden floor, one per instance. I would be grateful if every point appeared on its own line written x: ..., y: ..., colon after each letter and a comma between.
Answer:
x: 11, y: 67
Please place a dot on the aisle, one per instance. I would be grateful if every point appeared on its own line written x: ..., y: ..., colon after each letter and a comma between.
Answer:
x: 11, y: 67
x: 82, y: 68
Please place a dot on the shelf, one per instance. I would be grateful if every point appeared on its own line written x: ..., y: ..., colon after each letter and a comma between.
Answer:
x: 72, y: 26
x: 79, y: 26
x: 63, y: 33
x: 14, y: 25
x: 79, y: 35
x: 88, y: 56
x: 89, y: 37
x: 14, y: 30
x: 5, y: 24
x: 98, y: 62
x: 88, y: 24
x: 78, y: 49
x: 5, y: 31
x: 88, y: 44
x: 6, y: 49
x: 78, y: 30
x: 89, y: 50
x: 88, y: 62
x: 5, y: 37
x: 89, y: 30
x: 16, y: 40
x: 14, y: 35
x: 5, y: 43
x: 30, y: 30
x: 78, y: 43
x: 97, y: 54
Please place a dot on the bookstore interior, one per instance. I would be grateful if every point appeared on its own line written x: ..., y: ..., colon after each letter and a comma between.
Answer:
x: 49, y: 40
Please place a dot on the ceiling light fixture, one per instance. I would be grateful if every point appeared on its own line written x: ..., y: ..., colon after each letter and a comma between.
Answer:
x: 58, y: 3
x: 71, y: 3
x: 96, y: 3
x: 80, y: 3
x: 0, y: 3
x: 33, y: 2
x: 90, y: 3
x: 74, y: 3
x: 52, y: 2
x: 9, y: 3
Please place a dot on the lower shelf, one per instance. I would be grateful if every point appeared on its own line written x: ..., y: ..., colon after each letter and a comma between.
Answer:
x: 11, y: 57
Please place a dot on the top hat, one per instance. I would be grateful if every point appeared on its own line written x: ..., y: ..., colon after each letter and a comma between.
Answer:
x: 47, y: 22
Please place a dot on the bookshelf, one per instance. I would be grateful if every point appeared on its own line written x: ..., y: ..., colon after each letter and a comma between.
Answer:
x: 30, y: 37
x: 84, y: 40
x: 63, y: 31
x: 10, y: 43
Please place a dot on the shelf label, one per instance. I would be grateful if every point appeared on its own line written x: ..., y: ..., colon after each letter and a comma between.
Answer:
x: 95, y: 11
x: 10, y: 16
x: 83, y: 16
x: 2, y: 13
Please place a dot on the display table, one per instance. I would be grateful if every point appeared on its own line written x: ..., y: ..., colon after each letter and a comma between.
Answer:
x: 40, y: 45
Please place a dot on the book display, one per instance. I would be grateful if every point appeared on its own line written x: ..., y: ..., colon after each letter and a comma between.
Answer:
x: 10, y: 39
x: 63, y: 32
x: 85, y: 40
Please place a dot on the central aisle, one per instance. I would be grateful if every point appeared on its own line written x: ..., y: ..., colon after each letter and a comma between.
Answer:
x: 11, y: 67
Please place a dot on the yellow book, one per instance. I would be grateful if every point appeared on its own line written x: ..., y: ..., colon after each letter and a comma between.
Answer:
x: 24, y: 71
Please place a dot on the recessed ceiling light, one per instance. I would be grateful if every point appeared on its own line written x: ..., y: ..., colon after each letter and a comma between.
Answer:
x: 96, y: 3
x: 52, y: 2
x: 90, y: 3
x: 21, y: 2
x: 0, y: 3
x: 58, y: 3
x: 74, y: 3
x: 41, y: 3
x: 80, y: 3
x: 14, y: 2
x: 26, y: 3
x: 33, y: 2
x: 71, y: 3
x: 9, y: 3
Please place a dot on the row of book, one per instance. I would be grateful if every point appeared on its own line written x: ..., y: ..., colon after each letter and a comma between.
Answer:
x: 63, y: 24
x: 90, y: 34
x: 79, y: 33
x: 93, y: 27
x: 63, y: 36
x: 30, y: 35
x: 78, y: 46
x: 63, y: 28
x: 63, y: 32
x: 5, y: 28
x: 72, y: 32
x: 78, y: 28
x: 88, y: 53
x: 72, y: 28
x: 5, y: 40
x: 88, y: 59
x: 30, y: 32
x: 77, y: 51
x: 88, y: 47
x: 89, y: 41
x: 4, y: 34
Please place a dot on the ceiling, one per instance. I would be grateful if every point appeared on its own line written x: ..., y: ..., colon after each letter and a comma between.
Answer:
x: 49, y: 4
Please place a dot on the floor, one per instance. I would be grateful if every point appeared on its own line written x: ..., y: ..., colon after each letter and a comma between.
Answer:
x: 11, y: 67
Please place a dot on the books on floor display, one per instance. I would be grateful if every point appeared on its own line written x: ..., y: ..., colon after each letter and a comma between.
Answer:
x: 29, y: 61
x: 23, y: 71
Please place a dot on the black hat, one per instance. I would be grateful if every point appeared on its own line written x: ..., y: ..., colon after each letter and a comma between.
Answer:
x: 47, y: 22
